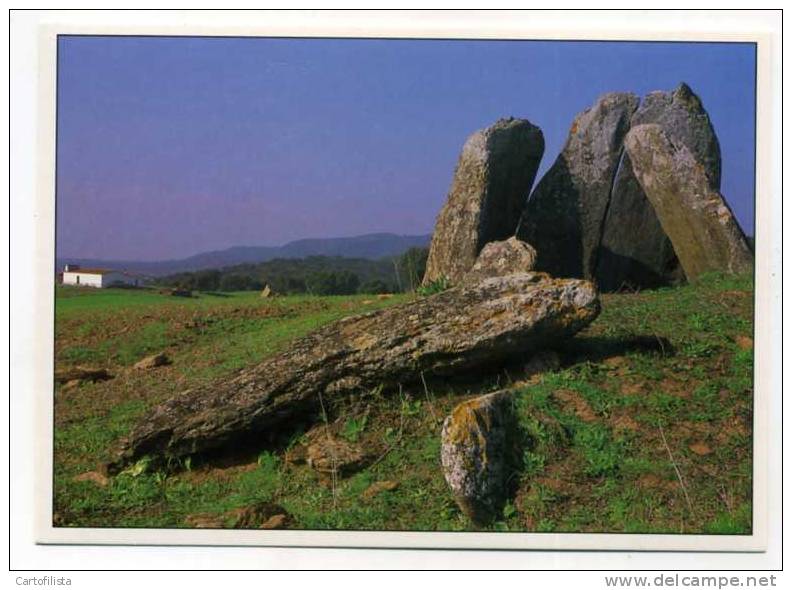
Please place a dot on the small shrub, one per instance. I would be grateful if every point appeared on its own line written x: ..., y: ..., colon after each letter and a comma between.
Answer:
x: 353, y: 427
x: 436, y: 286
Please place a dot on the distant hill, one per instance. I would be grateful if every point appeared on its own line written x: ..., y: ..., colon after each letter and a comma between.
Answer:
x: 369, y: 246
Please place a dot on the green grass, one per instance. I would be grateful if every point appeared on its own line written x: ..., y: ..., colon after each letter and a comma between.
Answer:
x: 593, y: 457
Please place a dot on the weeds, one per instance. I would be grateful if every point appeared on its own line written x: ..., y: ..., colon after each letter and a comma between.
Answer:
x: 437, y: 286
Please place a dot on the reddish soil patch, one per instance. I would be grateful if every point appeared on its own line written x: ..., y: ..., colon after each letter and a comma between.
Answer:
x: 624, y: 422
x: 744, y: 342
x: 650, y: 481
x: 700, y: 448
x: 571, y: 401
x: 631, y: 388
x: 216, y: 473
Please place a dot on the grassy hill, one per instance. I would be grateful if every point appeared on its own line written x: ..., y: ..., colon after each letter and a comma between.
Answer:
x: 645, y: 427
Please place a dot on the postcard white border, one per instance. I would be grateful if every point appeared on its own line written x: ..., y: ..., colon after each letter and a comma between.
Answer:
x: 403, y: 25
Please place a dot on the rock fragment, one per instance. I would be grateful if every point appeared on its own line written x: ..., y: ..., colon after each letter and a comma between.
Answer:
x: 153, y: 361
x: 502, y: 258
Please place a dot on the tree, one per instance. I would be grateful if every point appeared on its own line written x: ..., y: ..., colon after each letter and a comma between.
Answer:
x: 375, y: 286
x: 410, y: 268
x: 235, y: 282
x: 342, y: 282
x: 207, y: 280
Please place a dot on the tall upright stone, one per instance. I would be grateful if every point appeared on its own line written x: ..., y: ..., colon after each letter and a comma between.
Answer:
x: 635, y: 250
x: 493, y: 176
x: 702, y: 229
x: 564, y: 216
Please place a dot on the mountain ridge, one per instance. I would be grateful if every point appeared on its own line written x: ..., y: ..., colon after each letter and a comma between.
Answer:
x: 370, y: 246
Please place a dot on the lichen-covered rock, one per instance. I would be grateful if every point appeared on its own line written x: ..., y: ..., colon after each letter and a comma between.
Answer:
x: 635, y: 250
x: 461, y: 330
x: 492, y: 180
x: 564, y: 216
x: 479, y: 441
x: 502, y: 258
x: 701, y: 227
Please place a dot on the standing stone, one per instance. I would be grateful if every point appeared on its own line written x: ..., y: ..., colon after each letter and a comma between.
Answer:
x: 492, y: 180
x: 479, y: 441
x: 502, y: 258
x: 563, y: 219
x: 635, y: 250
x: 696, y: 218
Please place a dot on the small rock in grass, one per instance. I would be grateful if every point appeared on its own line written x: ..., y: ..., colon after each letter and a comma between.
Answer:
x: 614, y: 361
x: 82, y: 374
x: 277, y: 521
x: 478, y: 443
x: 155, y: 360
x: 256, y: 515
x: 380, y: 486
x: 93, y: 476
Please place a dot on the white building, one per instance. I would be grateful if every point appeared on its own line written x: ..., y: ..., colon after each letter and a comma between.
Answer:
x: 98, y: 277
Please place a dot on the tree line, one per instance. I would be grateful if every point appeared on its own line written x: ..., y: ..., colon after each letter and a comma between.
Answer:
x: 317, y: 275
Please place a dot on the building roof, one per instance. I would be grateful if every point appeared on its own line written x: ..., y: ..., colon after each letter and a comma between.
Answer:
x: 90, y: 271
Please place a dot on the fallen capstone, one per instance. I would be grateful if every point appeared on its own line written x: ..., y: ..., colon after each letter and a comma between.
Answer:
x: 635, y: 251
x: 491, y: 182
x: 478, y: 454
x: 564, y: 215
x: 502, y: 258
x: 704, y: 233
x: 464, y: 330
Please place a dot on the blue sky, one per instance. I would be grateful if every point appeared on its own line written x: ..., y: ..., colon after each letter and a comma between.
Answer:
x: 172, y: 146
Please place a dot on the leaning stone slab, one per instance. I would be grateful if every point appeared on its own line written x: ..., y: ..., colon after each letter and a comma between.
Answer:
x: 635, y: 250
x: 492, y: 180
x: 564, y: 216
x: 696, y: 218
x: 479, y: 441
x: 461, y: 330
